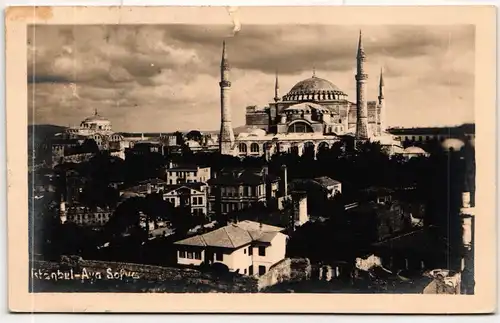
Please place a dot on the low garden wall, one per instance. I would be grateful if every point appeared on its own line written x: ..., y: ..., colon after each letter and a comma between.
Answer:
x: 89, y: 275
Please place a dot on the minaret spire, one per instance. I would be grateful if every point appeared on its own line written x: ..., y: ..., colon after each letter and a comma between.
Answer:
x: 314, y: 71
x: 226, y: 136
x: 361, y: 50
x: 95, y: 111
x: 361, y: 104
x: 381, y: 104
x: 276, y: 89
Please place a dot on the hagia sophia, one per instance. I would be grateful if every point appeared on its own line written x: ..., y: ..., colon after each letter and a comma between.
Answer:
x: 314, y: 114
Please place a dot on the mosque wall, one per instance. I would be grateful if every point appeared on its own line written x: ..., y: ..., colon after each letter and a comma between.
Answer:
x: 258, y: 118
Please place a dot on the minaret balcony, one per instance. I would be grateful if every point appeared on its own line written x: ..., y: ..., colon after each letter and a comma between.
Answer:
x: 225, y: 84
x: 361, y: 77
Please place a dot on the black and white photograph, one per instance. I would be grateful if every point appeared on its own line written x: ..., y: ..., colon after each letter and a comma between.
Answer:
x: 315, y: 158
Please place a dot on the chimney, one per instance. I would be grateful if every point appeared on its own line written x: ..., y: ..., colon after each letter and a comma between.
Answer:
x: 466, y: 200
x: 285, y: 180
x: 302, y: 212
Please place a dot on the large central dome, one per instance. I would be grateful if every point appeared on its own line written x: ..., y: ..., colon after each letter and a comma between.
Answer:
x: 316, y: 89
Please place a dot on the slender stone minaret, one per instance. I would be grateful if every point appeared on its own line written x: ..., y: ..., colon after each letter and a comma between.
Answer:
x: 226, y: 137
x: 276, y: 89
x: 361, y: 104
x: 381, y: 103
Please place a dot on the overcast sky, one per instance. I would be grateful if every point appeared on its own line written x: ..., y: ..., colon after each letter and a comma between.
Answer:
x: 165, y: 77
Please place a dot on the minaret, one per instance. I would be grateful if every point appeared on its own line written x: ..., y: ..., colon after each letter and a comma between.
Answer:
x: 276, y: 89
x: 361, y: 104
x: 62, y: 210
x: 226, y: 137
x: 381, y: 104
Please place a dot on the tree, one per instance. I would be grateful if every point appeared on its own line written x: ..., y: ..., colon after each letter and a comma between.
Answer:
x: 179, y: 138
x: 194, y: 135
x: 89, y: 146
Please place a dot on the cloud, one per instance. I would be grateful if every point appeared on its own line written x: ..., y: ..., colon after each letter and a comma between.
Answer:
x: 165, y: 77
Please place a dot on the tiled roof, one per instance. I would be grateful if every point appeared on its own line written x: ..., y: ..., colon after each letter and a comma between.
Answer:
x: 173, y: 187
x: 267, y: 236
x: 326, y: 181
x: 234, y: 235
x: 238, y: 176
x: 184, y: 167
x: 256, y: 226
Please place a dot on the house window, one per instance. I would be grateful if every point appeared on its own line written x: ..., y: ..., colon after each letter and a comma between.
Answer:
x: 245, y: 251
x: 250, y: 270
x: 182, y: 254
x: 218, y: 256
x: 262, y: 251
x: 197, y: 255
x: 262, y: 270
x: 190, y: 255
x: 245, y: 271
x: 250, y: 251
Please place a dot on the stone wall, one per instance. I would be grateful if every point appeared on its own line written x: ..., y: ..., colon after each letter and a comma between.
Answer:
x: 127, y: 277
x: 286, y: 270
x: 257, y: 118
x: 328, y: 272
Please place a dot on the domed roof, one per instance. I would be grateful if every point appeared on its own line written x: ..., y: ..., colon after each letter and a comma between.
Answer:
x: 258, y: 132
x: 414, y: 150
x: 314, y: 86
x: 452, y: 144
x: 95, y: 118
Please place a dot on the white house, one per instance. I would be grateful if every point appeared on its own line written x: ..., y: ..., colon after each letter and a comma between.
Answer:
x: 187, y: 174
x: 246, y: 247
x: 332, y: 186
x: 192, y: 195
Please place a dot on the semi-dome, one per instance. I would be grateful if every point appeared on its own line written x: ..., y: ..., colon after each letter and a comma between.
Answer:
x: 316, y: 89
x: 452, y: 144
x: 415, y: 151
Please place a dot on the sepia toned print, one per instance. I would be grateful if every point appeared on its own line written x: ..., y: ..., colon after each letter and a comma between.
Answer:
x: 256, y: 159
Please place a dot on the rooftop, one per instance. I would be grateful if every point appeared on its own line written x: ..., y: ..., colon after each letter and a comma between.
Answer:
x: 234, y: 235
x: 173, y: 187
x: 185, y: 167
x: 326, y: 181
x: 237, y: 176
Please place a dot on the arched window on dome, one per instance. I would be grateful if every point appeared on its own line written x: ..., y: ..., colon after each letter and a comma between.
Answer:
x: 254, y: 148
x: 242, y: 147
x: 299, y: 127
